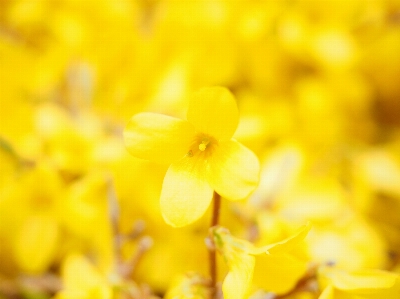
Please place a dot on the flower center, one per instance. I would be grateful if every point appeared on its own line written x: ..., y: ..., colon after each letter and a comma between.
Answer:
x: 203, y: 145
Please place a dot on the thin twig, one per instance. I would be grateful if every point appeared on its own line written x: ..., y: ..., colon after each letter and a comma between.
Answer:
x: 114, y: 214
x: 212, y: 252
x: 126, y: 269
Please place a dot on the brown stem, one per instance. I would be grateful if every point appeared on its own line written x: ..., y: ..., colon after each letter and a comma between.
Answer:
x: 212, y: 252
x: 114, y: 214
x: 126, y: 269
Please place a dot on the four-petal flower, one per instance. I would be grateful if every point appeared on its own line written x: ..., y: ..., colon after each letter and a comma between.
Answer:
x: 202, y: 153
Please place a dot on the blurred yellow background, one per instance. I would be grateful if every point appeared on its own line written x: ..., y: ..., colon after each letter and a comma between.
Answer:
x: 318, y: 90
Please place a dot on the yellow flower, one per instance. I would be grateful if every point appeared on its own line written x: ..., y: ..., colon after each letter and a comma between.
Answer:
x: 361, y: 284
x: 82, y: 280
x: 240, y: 257
x: 203, y: 154
x: 189, y: 286
x: 30, y: 219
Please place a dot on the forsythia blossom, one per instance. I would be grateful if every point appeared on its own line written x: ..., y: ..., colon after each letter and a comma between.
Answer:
x: 361, y: 284
x: 203, y: 154
x: 240, y: 257
x: 189, y: 286
x: 82, y: 280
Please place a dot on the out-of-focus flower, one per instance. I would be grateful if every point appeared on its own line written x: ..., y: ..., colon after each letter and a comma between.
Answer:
x: 240, y: 255
x: 30, y: 219
x: 376, y: 175
x: 336, y: 224
x: 190, y: 286
x: 279, y: 170
x: 361, y: 284
x: 70, y: 142
x: 203, y: 154
x: 82, y: 280
x: 86, y: 216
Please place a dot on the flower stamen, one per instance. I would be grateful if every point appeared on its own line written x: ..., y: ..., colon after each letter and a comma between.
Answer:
x: 203, y: 145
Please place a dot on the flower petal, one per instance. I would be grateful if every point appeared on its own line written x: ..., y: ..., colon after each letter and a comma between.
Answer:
x: 234, y: 170
x: 36, y: 243
x: 158, y: 137
x: 287, y: 271
x: 287, y: 244
x: 79, y: 274
x: 238, y: 281
x: 364, y: 281
x: 213, y: 111
x: 185, y: 194
x: 328, y: 293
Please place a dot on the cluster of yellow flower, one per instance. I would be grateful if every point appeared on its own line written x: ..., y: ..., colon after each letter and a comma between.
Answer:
x: 126, y: 125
